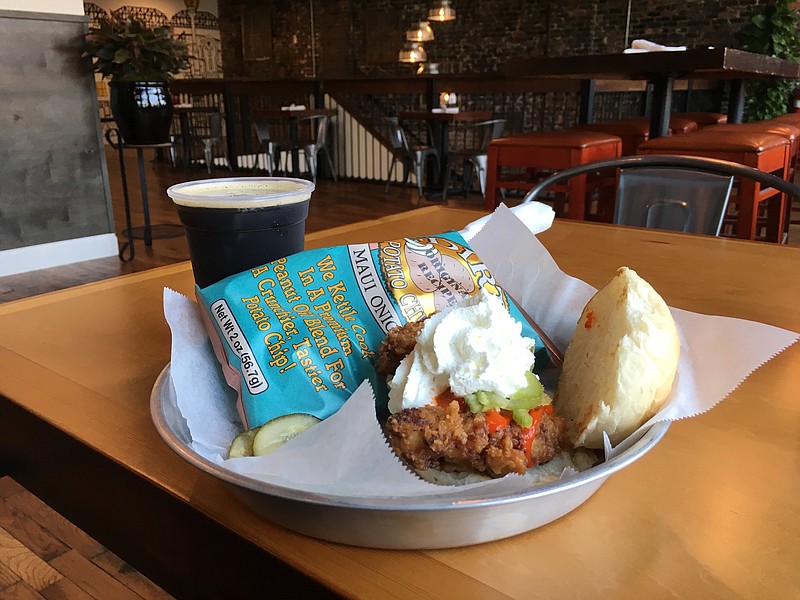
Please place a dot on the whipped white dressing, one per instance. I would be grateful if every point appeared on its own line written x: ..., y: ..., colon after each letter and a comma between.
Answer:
x: 474, y: 345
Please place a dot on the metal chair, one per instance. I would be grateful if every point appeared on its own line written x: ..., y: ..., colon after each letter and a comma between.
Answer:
x: 209, y: 134
x: 673, y: 199
x: 679, y: 193
x: 411, y: 156
x: 174, y: 143
x: 267, y: 145
x: 314, y: 143
x: 473, y: 157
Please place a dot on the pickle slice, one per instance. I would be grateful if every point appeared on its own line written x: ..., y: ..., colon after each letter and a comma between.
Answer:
x: 277, y: 432
x: 242, y: 444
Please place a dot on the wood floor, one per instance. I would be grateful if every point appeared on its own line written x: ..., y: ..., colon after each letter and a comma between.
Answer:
x: 332, y: 204
x: 44, y: 556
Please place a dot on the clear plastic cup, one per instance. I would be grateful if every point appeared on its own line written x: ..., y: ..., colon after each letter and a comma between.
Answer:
x: 238, y: 223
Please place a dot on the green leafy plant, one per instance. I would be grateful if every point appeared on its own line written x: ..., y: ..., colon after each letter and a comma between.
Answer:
x: 129, y: 50
x: 774, y: 30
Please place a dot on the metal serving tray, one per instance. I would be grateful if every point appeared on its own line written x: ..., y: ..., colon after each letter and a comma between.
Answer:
x: 397, y: 523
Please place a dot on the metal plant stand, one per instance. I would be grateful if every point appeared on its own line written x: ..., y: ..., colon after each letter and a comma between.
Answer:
x: 146, y: 232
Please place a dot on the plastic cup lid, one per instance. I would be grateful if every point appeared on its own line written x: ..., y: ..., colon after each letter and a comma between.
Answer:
x: 247, y: 192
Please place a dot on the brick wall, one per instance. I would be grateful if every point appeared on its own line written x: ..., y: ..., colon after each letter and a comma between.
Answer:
x: 362, y: 37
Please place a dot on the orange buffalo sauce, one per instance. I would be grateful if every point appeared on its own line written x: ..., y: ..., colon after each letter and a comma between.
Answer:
x: 444, y: 399
x: 529, y: 433
x: 589, y: 320
x: 497, y: 419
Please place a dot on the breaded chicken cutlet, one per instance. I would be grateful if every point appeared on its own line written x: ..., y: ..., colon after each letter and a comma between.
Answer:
x: 448, y: 437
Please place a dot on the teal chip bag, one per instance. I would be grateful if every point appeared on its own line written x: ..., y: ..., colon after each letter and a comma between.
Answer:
x: 300, y: 334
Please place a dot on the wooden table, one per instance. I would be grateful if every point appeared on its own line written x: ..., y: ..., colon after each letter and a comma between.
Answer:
x: 277, y: 113
x: 440, y: 122
x: 662, y: 69
x: 712, y: 512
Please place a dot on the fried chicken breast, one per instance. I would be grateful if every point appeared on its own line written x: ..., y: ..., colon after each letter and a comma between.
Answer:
x: 399, y: 342
x: 450, y: 439
x: 446, y: 436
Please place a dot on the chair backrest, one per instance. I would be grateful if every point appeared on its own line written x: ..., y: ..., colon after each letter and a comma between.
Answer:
x: 397, y: 135
x: 322, y: 130
x: 215, y: 125
x: 490, y: 130
x: 666, y: 211
x: 205, y: 125
x: 318, y: 127
x: 674, y: 199
x: 261, y: 128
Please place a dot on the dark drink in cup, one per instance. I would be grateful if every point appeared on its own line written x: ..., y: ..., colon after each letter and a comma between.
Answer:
x: 238, y: 223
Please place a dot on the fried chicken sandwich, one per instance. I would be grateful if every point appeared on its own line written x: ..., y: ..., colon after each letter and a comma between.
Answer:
x: 464, y: 402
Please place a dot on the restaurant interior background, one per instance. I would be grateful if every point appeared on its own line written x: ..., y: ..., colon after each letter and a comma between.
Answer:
x: 56, y: 204
x: 362, y: 37
x: 78, y: 366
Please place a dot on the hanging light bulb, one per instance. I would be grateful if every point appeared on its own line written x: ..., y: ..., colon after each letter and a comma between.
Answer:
x: 421, y: 32
x: 412, y: 53
x: 442, y: 11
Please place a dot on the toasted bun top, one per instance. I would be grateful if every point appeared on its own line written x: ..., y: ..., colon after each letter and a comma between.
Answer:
x: 619, y: 367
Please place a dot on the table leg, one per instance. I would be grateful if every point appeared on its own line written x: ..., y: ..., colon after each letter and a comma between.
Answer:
x: 441, y: 140
x: 736, y: 101
x: 444, y: 150
x: 185, y: 142
x: 490, y: 200
x: 662, y: 105
x: 586, y: 105
x: 295, y: 150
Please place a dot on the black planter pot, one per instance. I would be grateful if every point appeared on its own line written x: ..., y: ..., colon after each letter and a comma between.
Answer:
x: 142, y: 110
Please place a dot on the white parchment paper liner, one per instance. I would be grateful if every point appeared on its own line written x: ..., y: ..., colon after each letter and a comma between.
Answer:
x: 347, y: 453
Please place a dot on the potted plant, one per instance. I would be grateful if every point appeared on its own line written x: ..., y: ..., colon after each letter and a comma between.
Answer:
x: 773, y: 29
x: 140, y: 61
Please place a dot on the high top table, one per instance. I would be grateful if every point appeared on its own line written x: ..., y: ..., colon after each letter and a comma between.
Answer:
x: 661, y: 69
x: 440, y: 122
x: 292, y: 118
x: 713, y: 511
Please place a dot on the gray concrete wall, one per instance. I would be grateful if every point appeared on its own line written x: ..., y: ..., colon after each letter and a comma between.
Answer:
x: 53, y: 180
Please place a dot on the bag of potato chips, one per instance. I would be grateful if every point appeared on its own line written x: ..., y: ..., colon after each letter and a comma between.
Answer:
x: 299, y: 335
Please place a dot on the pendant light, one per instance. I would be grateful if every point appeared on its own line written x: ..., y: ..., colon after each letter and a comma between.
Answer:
x: 442, y: 11
x: 412, y: 53
x: 421, y: 32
